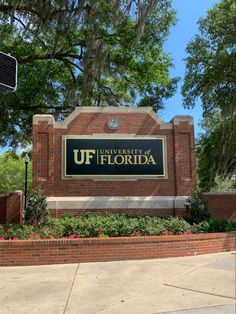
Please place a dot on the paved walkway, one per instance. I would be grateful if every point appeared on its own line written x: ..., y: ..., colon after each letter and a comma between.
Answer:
x: 195, y: 285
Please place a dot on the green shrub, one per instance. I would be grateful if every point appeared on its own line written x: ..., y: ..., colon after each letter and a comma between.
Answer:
x: 216, y: 225
x: 197, y: 208
x: 151, y: 225
x: 98, y: 225
x: 2, y: 232
x: 202, y: 227
x: 53, y: 230
x: 176, y: 225
x: 36, y: 212
x: 21, y: 232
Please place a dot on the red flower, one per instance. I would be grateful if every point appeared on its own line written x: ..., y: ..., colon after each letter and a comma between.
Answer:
x: 186, y: 232
x: 14, y: 238
x: 168, y: 233
x: 101, y: 231
x: 73, y: 236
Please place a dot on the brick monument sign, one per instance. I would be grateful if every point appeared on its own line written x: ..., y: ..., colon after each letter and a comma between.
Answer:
x: 122, y: 160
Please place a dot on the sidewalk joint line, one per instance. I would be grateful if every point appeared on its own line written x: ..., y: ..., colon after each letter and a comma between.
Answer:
x: 67, y: 301
x: 186, y: 273
x: 197, y: 308
x: 216, y: 295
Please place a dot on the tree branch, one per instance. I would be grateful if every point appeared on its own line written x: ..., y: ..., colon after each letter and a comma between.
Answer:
x: 36, y: 107
x: 47, y: 56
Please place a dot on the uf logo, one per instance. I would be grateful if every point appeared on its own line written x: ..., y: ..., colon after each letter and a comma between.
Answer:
x: 85, y: 156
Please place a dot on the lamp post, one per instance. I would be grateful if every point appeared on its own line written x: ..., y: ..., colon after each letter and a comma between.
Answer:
x: 26, y: 160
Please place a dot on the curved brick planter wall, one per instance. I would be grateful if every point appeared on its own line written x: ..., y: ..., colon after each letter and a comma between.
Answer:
x: 15, y: 253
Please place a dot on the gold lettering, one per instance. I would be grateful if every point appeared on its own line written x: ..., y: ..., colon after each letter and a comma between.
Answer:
x: 151, y: 160
x: 109, y: 160
x: 145, y: 159
x: 85, y: 156
x: 128, y: 160
x: 135, y: 162
x: 103, y: 159
x: 121, y: 160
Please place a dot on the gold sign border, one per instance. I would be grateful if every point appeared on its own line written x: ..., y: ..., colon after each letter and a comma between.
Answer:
x: 97, y: 176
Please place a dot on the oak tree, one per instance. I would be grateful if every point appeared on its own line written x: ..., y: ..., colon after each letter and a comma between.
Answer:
x: 211, y: 76
x: 87, y: 52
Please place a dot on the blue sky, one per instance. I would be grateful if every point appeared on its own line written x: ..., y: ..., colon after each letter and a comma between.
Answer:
x: 188, y: 13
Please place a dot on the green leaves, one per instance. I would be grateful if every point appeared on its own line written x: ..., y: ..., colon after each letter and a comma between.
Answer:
x: 211, y: 76
x: 12, y: 173
x: 210, y: 65
x: 92, y: 53
x: 197, y: 208
x: 36, y: 211
x: 216, y: 153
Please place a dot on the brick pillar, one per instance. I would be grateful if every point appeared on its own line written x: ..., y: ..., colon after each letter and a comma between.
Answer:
x: 14, y: 207
x: 43, y: 153
x: 185, y: 160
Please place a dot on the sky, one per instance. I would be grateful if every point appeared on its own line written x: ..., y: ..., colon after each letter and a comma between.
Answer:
x: 188, y: 13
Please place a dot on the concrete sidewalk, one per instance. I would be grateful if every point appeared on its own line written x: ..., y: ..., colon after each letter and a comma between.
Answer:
x: 197, y: 284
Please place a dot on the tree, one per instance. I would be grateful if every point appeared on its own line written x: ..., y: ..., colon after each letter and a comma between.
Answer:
x: 12, y: 173
x: 211, y: 76
x: 102, y: 53
x: 210, y: 65
x: 216, y: 151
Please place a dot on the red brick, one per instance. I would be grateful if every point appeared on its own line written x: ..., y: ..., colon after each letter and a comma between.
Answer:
x: 40, y: 252
x: 47, y: 157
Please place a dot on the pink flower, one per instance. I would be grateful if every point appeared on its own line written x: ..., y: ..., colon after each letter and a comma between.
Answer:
x: 14, y: 238
x: 2, y: 239
x: 73, y: 236
x: 186, y: 232
x: 168, y: 233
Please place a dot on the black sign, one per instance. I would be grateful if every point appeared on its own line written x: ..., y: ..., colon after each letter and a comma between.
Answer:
x: 114, y: 157
x: 8, y: 72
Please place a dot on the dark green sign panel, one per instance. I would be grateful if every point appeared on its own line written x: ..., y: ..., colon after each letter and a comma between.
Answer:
x: 114, y: 157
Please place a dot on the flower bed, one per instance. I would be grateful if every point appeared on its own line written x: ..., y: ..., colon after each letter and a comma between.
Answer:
x: 66, y: 250
x: 103, y: 226
x: 97, y: 237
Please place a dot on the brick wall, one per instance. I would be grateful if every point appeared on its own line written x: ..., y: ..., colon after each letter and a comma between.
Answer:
x: 47, y: 152
x: 222, y: 205
x: 11, y: 208
x: 162, y: 212
x: 3, y: 200
x: 39, y: 252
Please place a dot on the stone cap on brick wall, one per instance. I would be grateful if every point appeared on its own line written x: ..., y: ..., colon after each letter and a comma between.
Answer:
x: 43, y: 118
x: 114, y: 202
x: 185, y: 118
x: 11, y: 192
x: 108, y: 110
